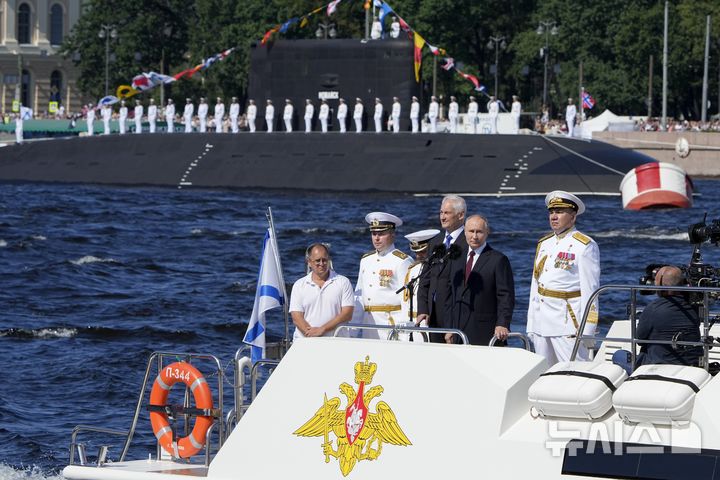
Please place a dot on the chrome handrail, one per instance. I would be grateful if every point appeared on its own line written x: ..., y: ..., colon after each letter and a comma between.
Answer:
x: 395, y: 329
x: 521, y: 336
x: 90, y: 428
x: 254, y: 375
x: 704, y: 313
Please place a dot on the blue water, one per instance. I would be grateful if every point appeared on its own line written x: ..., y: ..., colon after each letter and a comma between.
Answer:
x: 94, y: 279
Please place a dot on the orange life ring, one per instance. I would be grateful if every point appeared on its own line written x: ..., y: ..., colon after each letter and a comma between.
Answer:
x: 190, y: 376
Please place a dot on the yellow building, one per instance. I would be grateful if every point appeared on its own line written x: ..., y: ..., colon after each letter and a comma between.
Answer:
x: 31, y: 32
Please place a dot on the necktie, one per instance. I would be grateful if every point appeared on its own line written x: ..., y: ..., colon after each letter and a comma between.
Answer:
x: 448, y: 240
x: 469, y: 264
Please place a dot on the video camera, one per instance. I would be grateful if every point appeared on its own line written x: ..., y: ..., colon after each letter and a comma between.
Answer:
x: 697, y: 273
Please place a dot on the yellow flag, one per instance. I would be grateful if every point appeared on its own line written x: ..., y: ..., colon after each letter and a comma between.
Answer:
x: 125, y: 91
x: 419, y: 43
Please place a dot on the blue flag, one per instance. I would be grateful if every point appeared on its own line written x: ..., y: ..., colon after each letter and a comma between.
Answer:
x: 269, y: 295
x: 384, y: 10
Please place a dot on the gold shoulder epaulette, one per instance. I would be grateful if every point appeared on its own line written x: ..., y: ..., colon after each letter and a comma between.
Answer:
x: 584, y: 239
x: 545, y: 237
x: 368, y: 253
x: 400, y: 254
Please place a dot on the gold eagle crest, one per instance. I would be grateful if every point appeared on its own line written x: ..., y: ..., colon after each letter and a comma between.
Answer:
x: 359, y: 433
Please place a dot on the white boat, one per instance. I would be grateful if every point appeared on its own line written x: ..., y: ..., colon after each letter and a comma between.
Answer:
x: 438, y: 411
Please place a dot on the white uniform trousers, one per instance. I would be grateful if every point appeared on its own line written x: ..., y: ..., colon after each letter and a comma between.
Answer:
x: 453, y: 123
x: 251, y: 124
x: 106, y: 126
x: 170, y: 124
x: 558, y: 349
x: 493, y: 123
x: 138, y: 125
x: 433, y: 125
x: 218, y: 125
x: 122, y: 126
x: 396, y: 124
x: 358, y: 125
x: 288, y: 125
x: 571, y: 127
x: 415, y: 125
x: 516, y: 124
x: 152, y: 125
x: 203, y: 124
x: 308, y: 125
x: 323, y: 124
x: 234, y: 124
x: 378, y: 124
x: 341, y: 121
x: 269, y: 122
x: 188, y: 124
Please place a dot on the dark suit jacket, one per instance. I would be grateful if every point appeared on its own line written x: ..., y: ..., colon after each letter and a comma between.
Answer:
x: 487, y: 299
x: 433, y: 293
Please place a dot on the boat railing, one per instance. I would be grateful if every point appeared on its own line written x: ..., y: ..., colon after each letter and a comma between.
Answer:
x: 706, y: 340
x: 157, y: 359
x: 523, y: 338
x: 80, y: 447
x: 395, y: 330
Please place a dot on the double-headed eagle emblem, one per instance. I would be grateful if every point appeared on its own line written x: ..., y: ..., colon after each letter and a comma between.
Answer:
x: 360, y: 433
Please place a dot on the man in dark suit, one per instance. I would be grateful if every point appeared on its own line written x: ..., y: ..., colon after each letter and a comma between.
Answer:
x: 432, y: 293
x: 481, y: 288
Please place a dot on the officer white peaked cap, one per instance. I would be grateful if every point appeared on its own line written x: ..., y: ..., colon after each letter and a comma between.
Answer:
x: 562, y: 199
x: 381, y: 221
x: 414, y: 97
x: 419, y: 240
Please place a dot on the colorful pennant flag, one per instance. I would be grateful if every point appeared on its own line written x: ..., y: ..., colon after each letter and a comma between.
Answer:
x: 449, y: 64
x: 284, y: 27
x: 588, y: 101
x: 473, y: 79
x: 436, y: 51
x: 419, y: 43
x: 332, y: 6
x: 147, y: 81
x: 384, y: 10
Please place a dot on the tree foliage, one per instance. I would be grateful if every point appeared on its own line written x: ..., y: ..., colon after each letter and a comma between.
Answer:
x: 613, y: 40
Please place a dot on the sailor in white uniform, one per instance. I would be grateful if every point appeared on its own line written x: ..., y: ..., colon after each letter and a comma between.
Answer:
x: 570, y: 114
x: 287, y: 115
x: 269, y: 115
x: 565, y: 273
x: 377, y: 116
x: 202, y: 115
x: 515, y: 111
x: 395, y: 114
x: 472, y: 113
x: 218, y: 115
x: 376, y: 29
x: 415, y: 115
x: 234, y: 114
x: 123, y: 117
x: 19, y: 127
x: 419, y: 242
x: 309, y: 114
x: 453, y: 113
x: 251, y: 115
x: 170, y: 116
x: 152, y: 115
x: 323, y: 115
x: 188, y: 115
x: 90, y: 119
x: 357, y: 115
x: 433, y: 113
x: 493, y: 108
x: 342, y: 115
x: 138, y: 112
x: 381, y: 274
x: 106, y: 114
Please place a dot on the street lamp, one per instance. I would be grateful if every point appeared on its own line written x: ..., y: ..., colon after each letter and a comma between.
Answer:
x: 548, y: 27
x: 107, y: 32
x: 326, y: 30
x: 167, y: 31
x: 499, y: 43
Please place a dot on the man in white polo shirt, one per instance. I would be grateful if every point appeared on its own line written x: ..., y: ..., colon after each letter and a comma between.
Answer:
x: 322, y: 299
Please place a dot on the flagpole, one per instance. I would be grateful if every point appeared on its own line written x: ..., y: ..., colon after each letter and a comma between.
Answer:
x: 286, y: 314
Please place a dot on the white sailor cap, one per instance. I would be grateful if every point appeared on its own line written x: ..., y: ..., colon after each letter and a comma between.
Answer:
x: 419, y: 240
x: 377, y: 99
x: 414, y: 97
x: 562, y: 199
x: 381, y: 221
x: 358, y: 99
x: 396, y: 98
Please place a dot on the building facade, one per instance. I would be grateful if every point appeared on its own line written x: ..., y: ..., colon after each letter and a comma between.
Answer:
x: 31, y: 32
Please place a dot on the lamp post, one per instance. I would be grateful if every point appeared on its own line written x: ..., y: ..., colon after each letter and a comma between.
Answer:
x: 499, y: 43
x: 326, y: 30
x: 548, y: 27
x: 107, y: 32
x: 167, y: 31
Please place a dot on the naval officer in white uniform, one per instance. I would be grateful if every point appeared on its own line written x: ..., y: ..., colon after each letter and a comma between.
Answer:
x: 138, y: 114
x: 381, y: 274
x: 395, y: 115
x: 570, y: 114
x: 419, y: 242
x: 269, y: 115
x: 218, y: 115
x: 472, y: 113
x: 288, y: 115
x: 234, y: 114
x: 453, y: 113
x: 566, y: 272
x: 152, y: 115
x: 358, y: 114
x: 415, y: 115
x: 202, y: 115
x: 515, y: 111
x: 123, y: 117
x: 188, y: 115
x: 342, y: 115
x: 309, y: 114
x: 433, y: 113
x: 377, y: 117
x: 251, y: 115
x: 170, y: 116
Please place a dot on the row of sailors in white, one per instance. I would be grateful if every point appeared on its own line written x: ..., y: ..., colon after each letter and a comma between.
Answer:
x: 169, y: 113
x: 322, y: 300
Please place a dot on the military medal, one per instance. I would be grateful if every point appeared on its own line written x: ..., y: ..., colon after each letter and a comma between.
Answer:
x: 565, y: 260
x: 385, y: 277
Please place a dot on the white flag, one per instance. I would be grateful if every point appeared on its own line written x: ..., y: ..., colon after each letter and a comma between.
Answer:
x: 269, y: 295
x: 332, y: 6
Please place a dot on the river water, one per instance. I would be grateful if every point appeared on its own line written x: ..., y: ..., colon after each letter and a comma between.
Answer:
x: 94, y: 279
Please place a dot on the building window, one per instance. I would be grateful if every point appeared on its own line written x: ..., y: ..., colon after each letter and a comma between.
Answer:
x: 23, y: 24
x: 56, y: 86
x: 56, y: 24
x: 25, y: 89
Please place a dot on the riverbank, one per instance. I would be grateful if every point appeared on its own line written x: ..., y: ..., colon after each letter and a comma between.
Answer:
x: 700, y: 159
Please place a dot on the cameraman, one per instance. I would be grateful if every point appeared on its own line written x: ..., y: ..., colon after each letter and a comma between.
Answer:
x: 669, y: 317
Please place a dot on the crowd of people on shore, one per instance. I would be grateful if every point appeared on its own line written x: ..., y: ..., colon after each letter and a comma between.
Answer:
x: 459, y: 283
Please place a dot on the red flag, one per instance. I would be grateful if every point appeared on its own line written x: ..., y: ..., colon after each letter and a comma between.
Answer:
x: 472, y: 78
x: 419, y: 43
x: 268, y: 34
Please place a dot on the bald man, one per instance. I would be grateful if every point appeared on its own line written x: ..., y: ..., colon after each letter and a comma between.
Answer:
x: 669, y: 317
